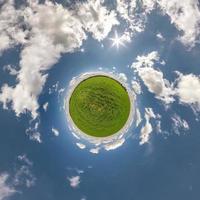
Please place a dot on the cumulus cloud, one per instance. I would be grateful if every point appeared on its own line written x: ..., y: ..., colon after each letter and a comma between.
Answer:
x: 11, y: 30
x: 41, y: 51
x: 188, y: 89
x: 43, y: 41
x: 147, y: 60
x: 5, y: 189
x: 55, y: 131
x: 187, y: 86
x: 96, y: 18
x: 74, y: 181
x: 152, y: 78
x: 185, y: 15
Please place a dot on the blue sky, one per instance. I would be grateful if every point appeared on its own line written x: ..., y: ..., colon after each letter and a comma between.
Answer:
x: 44, y: 45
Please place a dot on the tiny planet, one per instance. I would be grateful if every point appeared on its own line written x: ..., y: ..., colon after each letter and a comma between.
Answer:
x: 99, y: 106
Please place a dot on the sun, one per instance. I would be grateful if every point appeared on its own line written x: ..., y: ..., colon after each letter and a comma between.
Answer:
x: 117, y: 41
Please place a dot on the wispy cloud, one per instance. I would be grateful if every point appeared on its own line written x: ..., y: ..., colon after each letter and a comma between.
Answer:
x: 179, y: 124
x: 22, y: 176
x: 147, y: 129
x: 55, y: 131
x: 5, y: 189
x: 114, y: 145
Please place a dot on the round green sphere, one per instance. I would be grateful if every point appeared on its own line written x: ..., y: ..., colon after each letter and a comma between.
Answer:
x: 99, y: 106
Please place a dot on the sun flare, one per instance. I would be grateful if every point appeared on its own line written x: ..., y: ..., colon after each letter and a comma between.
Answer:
x: 117, y: 41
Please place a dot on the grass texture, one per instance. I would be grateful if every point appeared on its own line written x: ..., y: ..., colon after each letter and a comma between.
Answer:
x: 99, y: 106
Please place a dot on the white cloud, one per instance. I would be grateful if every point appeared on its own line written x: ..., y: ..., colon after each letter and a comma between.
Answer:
x: 11, y: 33
x: 122, y: 77
x: 75, y: 135
x: 188, y: 89
x: 74, y: 181
x: 148, y: 5
x: 54, y: 88
x: 23, y: 174
x: 147, y: 60
x: 35, y: 136
x: 45, y: 106
x: 179, y: 124
x: 136, y: 87
x: 79, y: 171
x: 94, y: 150
x: 138, y: 117
x: 22, y: 177
x: 33, y: 133
x: 80, y: 145
x: 147, y: 129
x: 96, y: 18
x: 11, y: 70
x: 24, y: 158
x: 114, y: 145
x: 5, y: 189
x: 128, y: 11
x: 41, y: 51
x: 185, y: 15
x: 152, y: 78
x: 150, y: 113
x: 45, y: 41
x: 158, y: 127
x: 55, y: 131
x: 160, y: 36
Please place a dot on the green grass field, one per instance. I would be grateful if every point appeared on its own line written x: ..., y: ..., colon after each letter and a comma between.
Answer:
x: 99, y: 106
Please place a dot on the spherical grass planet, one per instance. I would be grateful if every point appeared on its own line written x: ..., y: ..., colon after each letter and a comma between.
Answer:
x: 99, y: 106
